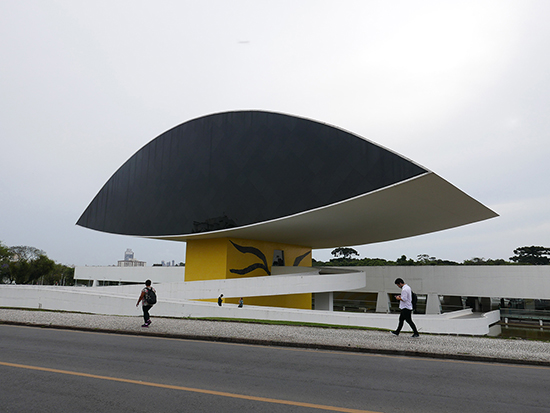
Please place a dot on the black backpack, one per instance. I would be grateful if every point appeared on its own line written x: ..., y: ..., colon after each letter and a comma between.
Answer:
x: 414, y: 300
x: 150, y: 296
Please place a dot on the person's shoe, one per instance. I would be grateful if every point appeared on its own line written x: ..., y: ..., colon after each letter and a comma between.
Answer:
x: 395, y: 333
x: 145, y: 325
x: 415, y: 335
x: 148, y: 322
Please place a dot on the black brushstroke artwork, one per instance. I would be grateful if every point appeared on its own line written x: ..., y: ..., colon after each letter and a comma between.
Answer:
x: 299, y: 259
x: 254, y: 251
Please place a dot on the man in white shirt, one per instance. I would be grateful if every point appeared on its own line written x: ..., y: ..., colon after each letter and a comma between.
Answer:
x: 406, y: 307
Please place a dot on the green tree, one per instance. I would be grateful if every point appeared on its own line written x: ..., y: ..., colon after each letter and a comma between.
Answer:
x: 425, y: 259
x: 4, y: 252
x: 23, y: 252
x: 27, y: 272
x: 40, y: 267
x: 59, y: 275
x: 405, y: 261
x: 483, y: 261
x: 5, y: 256
x: 17, y: 272
x: 344, y: 252
x: 532, y: 255
x: 26, y: 265
x: 374, y: 262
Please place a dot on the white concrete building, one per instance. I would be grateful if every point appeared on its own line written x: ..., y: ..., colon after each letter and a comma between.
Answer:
x: 178, y: 298
x: 247, y: 189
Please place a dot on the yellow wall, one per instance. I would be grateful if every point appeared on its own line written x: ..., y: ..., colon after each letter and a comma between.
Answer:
x: 224, y: 258
x: 206, y: 259
x: 300, y: 301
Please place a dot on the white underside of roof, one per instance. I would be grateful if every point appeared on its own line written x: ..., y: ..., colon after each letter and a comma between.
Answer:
x: 421, y: 205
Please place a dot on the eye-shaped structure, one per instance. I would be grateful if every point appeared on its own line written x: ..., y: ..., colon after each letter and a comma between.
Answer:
x: 274, y: 177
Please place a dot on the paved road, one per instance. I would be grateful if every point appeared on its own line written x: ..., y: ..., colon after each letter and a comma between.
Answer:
x: 86, y: 371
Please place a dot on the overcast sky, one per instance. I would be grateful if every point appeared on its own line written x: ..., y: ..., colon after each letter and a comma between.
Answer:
x: 462, y: 88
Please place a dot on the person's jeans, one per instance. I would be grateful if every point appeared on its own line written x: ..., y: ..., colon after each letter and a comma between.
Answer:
x: 406, y: 315
x: 146, y: 309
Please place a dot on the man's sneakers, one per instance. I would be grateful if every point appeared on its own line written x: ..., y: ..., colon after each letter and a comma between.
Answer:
x: 415, y: 335
x: 147, y: 324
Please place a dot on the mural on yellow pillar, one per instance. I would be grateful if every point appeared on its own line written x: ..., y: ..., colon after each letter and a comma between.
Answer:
x: 261, y: 263
x: 223, y: 258
x: 251, y: 258
x: 248, y: 258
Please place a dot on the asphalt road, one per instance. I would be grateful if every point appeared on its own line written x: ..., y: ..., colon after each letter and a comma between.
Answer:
x: 47, y: 370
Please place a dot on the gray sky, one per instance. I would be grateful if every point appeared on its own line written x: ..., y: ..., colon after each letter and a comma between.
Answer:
x: 462, y: 88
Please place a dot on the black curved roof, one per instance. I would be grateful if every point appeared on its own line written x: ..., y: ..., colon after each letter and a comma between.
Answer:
x: 235, y: 169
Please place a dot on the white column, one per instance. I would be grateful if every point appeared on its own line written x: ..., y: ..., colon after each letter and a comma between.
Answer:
x: 324, y: 301
x: 382, y: 302
x: 433, y: 305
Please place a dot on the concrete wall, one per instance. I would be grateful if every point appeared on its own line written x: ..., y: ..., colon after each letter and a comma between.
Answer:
x: 174, y: 297
x: 509, y: 281
x: 297, y: 283
x: 109, y: 300
x: 130, y: 274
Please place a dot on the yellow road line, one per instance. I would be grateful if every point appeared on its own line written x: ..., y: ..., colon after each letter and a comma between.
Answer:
x: 190, y: 389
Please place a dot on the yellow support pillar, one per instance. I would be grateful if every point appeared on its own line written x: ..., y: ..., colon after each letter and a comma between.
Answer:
x: 225, y: 258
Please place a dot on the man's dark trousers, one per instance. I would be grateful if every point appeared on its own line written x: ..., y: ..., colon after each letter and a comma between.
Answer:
x: 146, y: 309
x: 406, y: 315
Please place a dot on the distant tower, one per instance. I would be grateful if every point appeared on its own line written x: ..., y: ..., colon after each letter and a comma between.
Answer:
x: 130, y: 261
x: 128, y: 255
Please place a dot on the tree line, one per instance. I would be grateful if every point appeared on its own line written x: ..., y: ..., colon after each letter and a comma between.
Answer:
x: 345, y: 256
x: 28, y: 265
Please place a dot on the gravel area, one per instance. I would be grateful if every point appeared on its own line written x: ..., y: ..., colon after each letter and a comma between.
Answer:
x: 428, y: 345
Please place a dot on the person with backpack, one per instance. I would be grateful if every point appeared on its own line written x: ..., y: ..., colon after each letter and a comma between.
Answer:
x: 148, y: 298
x: 406, y: 307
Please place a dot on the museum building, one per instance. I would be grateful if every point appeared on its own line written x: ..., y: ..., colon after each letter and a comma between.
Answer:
x: 251, y: 190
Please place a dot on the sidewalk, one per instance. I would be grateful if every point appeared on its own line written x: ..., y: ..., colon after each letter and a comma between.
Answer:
x: 380, y: 342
